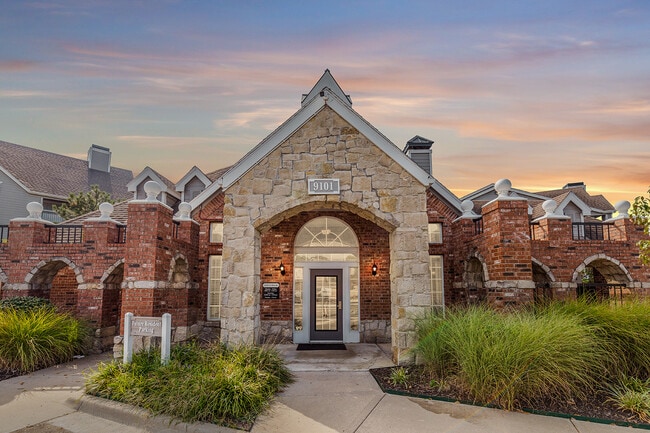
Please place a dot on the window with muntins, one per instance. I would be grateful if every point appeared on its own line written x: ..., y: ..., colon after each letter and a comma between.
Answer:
x: 216, y: 232
x: 214, y: 288
x: 437, y: 281
x: 435, y: 233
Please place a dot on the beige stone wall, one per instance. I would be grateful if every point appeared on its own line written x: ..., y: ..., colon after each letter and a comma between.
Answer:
x: 372, y: 186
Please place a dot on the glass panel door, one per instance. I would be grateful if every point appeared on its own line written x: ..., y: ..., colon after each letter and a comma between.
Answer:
x: 326, y: 305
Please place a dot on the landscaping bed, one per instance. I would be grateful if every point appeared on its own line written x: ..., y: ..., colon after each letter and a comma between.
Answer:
x: 580, y: 359
x: 598, y: 408
x: 201, y: 383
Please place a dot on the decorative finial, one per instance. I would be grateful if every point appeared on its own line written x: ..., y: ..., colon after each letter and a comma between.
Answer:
x: 35, y: 210
x: 106, y: 210
x: 152, y: 189
x: 502, y: 187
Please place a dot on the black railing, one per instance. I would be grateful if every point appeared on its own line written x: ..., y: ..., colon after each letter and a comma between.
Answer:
x: 478, y: 226
x: 67, y: 234
x: 598, y: 292
x: 591, y: 231
x: 121, y: 235
x: 4, y: 234
x: 532, y: 228
x: 175, y: 227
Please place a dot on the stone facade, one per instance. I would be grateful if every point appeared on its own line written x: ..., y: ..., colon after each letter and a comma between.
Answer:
x: 373, y: 187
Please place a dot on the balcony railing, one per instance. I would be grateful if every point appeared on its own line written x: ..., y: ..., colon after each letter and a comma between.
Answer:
x: 175, y: 227
x: 591, y: 231
x: 65, y: 234
x: 4, y: 234
x: 478, y: 226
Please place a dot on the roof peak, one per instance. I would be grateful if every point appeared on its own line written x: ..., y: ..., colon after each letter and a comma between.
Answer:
x: 326, y: 81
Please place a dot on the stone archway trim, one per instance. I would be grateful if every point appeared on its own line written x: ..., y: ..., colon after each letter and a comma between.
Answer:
x: 68, y: 262
x: 593, y: 258
x: 545, y: 269
x: 110, y: 270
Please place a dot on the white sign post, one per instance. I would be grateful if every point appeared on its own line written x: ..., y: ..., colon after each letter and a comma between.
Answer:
x: 148, y: 327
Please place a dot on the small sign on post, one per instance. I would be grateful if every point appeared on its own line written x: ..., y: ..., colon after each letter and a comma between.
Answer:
x: 147, y: 327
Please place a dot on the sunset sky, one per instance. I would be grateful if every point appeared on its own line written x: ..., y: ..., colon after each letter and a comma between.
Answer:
x: 543, y: 93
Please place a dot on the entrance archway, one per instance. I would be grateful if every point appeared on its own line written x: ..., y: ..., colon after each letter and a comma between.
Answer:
x: 326, y: 282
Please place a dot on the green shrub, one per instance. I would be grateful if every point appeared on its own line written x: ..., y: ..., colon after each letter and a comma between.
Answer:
x: 511, y: 359
x: 399, y: 376
x: 623, y: 330
x: 25, y: 303
x: 633, y: 395
x: 211, y: 384
x: 37, y: 338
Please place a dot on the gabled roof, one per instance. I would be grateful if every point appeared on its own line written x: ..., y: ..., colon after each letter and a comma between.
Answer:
x: 562, y: 201
x: 326, y: 81
x: 311, y: 105
x: 52, y: 175
x: 596, y: 202
x: 148, y: 172
x: 487, y: 193
x: 194, y: 172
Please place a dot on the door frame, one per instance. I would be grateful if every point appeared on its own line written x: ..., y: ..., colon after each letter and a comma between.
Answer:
x: 326, y: 335
x: 303, y: 336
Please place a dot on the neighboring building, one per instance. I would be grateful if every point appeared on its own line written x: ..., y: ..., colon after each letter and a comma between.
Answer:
x: 28, y: 175
x: 325, y: 231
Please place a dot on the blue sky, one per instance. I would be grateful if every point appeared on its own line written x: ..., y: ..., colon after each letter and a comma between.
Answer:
x: 543, y: 93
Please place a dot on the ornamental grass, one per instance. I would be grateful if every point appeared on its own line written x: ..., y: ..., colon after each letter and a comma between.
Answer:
x: 215, y: 384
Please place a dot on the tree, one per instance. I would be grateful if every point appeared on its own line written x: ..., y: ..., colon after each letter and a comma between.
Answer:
x: 83, y: 202
x: 640, y: 214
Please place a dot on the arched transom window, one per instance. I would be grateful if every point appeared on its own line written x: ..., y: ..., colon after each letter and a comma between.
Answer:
x: 326, y: 239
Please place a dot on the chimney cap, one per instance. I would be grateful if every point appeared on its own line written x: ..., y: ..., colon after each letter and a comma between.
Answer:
x: 418, y: 142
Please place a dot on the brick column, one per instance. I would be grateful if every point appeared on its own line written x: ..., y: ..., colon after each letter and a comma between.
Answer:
x: 507, y: 236
x: 24, y: 234
x: 147, y: 257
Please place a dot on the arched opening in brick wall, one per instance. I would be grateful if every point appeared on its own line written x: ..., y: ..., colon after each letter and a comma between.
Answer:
x: 112, y: 299
x: 179, y: 273
x: 542, y: 279
x: 602, y: 279
x: 56, y: 281
x: 474, y: 281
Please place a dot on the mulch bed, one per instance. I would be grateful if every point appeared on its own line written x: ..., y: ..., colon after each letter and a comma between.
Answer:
x: 8, y: 374
x: 597, y: 408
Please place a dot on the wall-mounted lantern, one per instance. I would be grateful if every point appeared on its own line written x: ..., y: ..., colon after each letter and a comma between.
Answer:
x: 282, y: 269
x: 374, y: 269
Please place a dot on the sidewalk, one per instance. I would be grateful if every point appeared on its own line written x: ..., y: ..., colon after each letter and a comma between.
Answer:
x: 333, y: 392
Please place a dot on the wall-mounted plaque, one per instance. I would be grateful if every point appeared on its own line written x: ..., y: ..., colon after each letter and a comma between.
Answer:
x: 270, y: 290
x: 323, y: 186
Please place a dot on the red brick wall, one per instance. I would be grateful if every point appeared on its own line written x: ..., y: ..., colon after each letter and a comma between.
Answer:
x: 63, y: 293
x: 210, y: 211
x: 277, y: 246
x: 439, y: 212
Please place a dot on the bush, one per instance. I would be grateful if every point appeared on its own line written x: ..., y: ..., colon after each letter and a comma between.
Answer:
x: 623, y: 330
x: 25, y: 303
x: 36, y: 338
x: 212, y: 384
x: 633, y: 395
x: 511, y: 359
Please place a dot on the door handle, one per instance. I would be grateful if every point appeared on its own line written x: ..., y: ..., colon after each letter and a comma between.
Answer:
x: 340, y: 305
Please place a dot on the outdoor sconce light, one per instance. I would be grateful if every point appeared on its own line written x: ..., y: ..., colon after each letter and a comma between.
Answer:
x: 374, y: 269
x: 282, y: 270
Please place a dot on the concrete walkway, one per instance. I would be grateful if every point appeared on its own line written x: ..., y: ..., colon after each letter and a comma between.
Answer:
x: 333, y: 392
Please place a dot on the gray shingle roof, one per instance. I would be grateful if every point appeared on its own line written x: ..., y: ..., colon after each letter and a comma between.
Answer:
x: 51, y: 174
